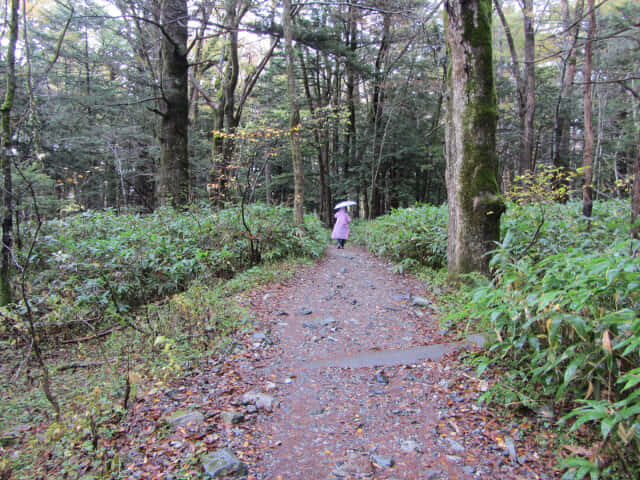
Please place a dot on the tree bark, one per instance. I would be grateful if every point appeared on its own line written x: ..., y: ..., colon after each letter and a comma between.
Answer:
x: 294, y: 122
x: 562, y: 122
x: 587, y: 189
x: 525, y: 82
x: 377, y: 106
x: 228, y: 112
x: 5, y: 157
x: 321, y: 139
x: 529, y: 94
x: 173, y: 186
x: 635, y: 197
x: 474, y: 200
x: 350, y: 134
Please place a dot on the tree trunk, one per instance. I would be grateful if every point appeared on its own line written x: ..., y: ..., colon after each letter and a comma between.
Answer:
x: 635, y: 196
x: 294, y: 123
x: 529, y: 94
x: 376, y: 115
x: 562, y: 121
x: 525, y: 82
x: 174, y: 132
x: 350, y: 134
x: 473, y: 192
x: 5, y: 157
x: 587, y: 189
x: 321, y: 139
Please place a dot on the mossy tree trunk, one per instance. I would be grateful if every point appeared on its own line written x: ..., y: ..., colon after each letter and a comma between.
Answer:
x: 5, y: 157
x: 173, y: 182
x: 475, y: 204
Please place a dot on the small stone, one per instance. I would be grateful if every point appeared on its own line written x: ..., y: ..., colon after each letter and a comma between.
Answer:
x: 262, y: 401
x: 420, y: 302
x: 232, y: 418
x: 270, y: 387
x: 382, y: 378
x: 383, y: 461
x: 343, y: 270
x: 356, y: 464
x: 176, y: 444
x: 260, y: 338
x: 184, y: 418
x: 410, y: 446
x: 174, y: 394
x: 223, y: 463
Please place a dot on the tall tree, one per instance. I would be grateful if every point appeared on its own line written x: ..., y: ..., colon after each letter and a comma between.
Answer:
x: 228, y: 110
x: 568, y: 67
x: 318, y: 104
x: 6, y: 155
x: 294, y: 123
x: 587, y: 189
x: 525, y: 79
x: 173, y: 181
x: 475, y: 205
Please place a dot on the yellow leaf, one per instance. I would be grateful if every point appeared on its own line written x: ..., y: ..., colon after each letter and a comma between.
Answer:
x: 606, y: 341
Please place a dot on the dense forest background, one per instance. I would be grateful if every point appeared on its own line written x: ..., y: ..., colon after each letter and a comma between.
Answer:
x: 370, y: 81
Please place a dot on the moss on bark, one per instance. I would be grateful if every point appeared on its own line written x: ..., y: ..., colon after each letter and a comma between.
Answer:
x: 475, y: 202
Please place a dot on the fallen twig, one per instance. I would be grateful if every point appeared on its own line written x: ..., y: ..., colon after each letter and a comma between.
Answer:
x: 74, y: 365
x: 101, y: 333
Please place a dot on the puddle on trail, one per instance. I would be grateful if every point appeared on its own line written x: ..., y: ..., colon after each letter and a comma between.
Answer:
x: 403, y: 356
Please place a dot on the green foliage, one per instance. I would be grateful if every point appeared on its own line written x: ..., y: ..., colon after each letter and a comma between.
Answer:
x: 408, y: 237
x: 564, y: 307
x: 98, y: 265
x: 172, y: 332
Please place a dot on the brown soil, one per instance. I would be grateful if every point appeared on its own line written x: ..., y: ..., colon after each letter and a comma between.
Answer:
x: 355, y: 392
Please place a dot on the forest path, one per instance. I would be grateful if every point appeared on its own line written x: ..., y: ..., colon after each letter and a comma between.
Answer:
x: 367, y: 385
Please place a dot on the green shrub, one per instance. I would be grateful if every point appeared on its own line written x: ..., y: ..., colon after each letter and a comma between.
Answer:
x: 97, y: 265
x: 564, y: 307
x: 408, y: 236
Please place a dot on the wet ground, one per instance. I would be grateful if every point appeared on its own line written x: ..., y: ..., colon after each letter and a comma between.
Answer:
x: 368, y: 384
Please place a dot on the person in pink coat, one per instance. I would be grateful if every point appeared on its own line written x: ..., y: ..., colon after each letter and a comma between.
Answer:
x: 341, y: 228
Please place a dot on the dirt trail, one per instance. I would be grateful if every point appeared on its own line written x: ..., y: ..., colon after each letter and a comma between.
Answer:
x: 359, y: 396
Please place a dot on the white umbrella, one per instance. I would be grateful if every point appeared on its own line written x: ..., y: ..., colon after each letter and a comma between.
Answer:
x: 346, y: 203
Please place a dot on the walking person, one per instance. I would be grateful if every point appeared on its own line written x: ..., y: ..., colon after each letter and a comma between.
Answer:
x: 341, y: 228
